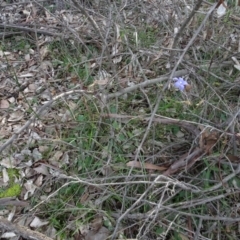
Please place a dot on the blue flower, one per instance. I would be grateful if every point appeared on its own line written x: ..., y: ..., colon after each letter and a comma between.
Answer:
x: 180, y: 83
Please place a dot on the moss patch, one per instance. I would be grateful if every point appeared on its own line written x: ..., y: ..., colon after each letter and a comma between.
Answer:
x: 14, y: 189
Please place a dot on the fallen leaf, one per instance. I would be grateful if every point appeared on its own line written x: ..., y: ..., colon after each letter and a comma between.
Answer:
x: 102, y: 234
x: 97, y: 223
x: 5, y: 175
x: 36, y: 223
x: 222, y: 9
x: 30, y: 187
x: 26, y: 75
x: 42, y: 169
x: 16, y: 116
x: 8, y: 235
x: 148, y: 166
x: 4, y: 104
x: 208, y: 140
x: 233, y: 158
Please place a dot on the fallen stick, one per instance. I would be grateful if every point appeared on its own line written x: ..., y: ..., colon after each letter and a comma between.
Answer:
x: 23, y: 231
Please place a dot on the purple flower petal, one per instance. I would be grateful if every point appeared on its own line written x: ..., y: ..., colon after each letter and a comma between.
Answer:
x: 180, y: 83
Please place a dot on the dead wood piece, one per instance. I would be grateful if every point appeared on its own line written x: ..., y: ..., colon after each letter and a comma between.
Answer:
x: 25, y: 232
x: 186, y: 161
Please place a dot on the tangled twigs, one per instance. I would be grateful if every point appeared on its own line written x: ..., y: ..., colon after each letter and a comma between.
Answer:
x: 207, y: 140
x: 28, y: 29
x: 25, y: 232
x: 179, y: 33
x: 192, y: 40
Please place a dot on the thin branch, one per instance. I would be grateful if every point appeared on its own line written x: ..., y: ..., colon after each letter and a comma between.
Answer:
x: 144, y: 84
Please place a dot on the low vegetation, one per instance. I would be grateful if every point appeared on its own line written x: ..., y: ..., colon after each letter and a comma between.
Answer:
x: 98, y: 141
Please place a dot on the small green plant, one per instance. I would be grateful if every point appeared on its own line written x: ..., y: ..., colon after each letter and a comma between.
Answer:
x: 13, y: 189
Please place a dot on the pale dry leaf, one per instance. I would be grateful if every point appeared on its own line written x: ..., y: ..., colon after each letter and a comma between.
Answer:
x: 4, y: 212
x: 42, y: 169
x: 237, y: 64
x: 26, y: 75
x: 30, y: 187
x: 11, y: 214
x: 118, y: 33
x: 44, y: 51
x: 36, y: 223
x: 31, y: 51
x: 148, y: 166
x: 11, y: 99
x: 221, y: 11
x: 52, y: 232
x: 26, y: 12
x: 117, y: 59
x: 46, y: 95
x: 5, y: 175
x: 237, y: 67
x: 4, y: 104
x: 5, y: 131
x: 38, y: 182
x: 16, y: 116
x: 36, y: 154
x: 27, y: 57
x: 115, y: 49
x: 4, y: 53
x: 43, y: 149
x: 9, y: 162
x: 180, y: 134
x: 8, y: 235
x: 28, y: 172
x: 65, y: 158
x: 72, y: 105
x: 32, y: 87
x: 68, y: 18
x: 54, y: 160
x: 57, y: 155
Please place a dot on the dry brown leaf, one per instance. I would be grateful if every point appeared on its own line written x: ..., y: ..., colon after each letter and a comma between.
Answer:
x: 233, y: 158
x: 148, y: 166
x: 97, y: 223
x: 207, y: 140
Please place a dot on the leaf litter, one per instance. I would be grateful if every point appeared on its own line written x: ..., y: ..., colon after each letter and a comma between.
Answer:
x: 37, y: 80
